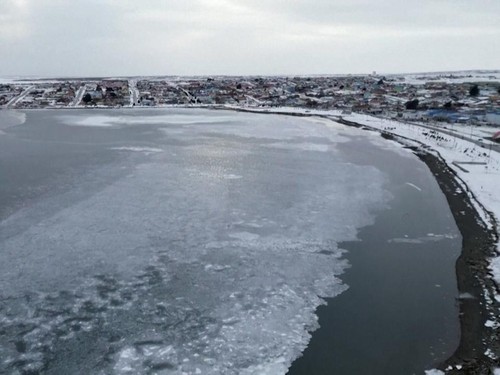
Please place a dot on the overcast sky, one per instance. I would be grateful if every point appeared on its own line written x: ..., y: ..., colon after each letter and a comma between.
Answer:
x: 190, y: 37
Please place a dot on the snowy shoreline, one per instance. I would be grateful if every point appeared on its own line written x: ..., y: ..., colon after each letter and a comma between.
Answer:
x: 473, y: 280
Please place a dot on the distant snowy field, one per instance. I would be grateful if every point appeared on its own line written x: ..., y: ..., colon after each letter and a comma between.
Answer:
x: 411, y: 78
x: 448, y: 77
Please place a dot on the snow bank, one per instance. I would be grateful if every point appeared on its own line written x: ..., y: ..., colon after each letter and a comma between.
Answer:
x: 495, y: 266
x: 434, y: 372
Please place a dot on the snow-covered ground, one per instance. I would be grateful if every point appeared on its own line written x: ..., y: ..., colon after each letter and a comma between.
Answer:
x: 79, y: 96
x: 448, y: 77
x: 20, y: 97
x: 483, y: 133
x: 133, y: 91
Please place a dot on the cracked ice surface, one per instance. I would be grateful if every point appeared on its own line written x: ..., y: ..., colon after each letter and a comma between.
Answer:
x: 210, y: 257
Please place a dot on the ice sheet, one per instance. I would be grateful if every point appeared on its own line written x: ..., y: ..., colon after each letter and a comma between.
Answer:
x: 209, y: 258
x: 9, y: 118
x: 99, y: 120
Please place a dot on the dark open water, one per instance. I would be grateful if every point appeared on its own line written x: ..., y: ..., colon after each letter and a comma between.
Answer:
x: 399, y: 315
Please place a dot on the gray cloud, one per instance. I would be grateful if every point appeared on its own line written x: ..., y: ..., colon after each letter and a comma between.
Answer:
x: 116, y: 37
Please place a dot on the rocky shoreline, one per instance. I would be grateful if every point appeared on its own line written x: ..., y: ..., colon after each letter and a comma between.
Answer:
x: 473, y: 281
